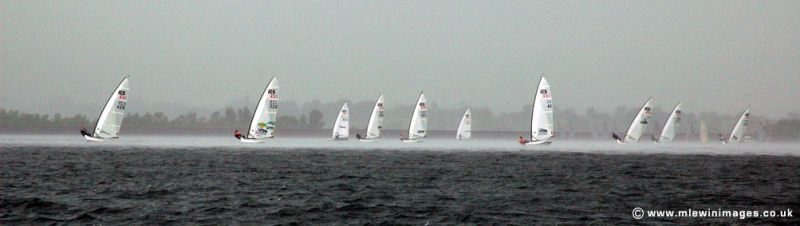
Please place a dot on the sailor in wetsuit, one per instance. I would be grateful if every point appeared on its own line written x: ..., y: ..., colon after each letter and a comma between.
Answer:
x: 84, y: 132
x: 237, y: 134
x: 615, y: 136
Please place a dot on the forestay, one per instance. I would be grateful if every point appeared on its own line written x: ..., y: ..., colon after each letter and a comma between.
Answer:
x: 341, y: 128
x: 639, y: 123
x: 266, y: 114
x: 110, y: 120
x: 465, y: 127
x: 668, y: 133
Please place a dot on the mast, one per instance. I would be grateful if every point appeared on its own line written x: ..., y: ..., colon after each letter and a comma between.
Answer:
x: 535, y: 94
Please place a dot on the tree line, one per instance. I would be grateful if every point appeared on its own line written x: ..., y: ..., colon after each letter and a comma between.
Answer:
x: 570, y: 123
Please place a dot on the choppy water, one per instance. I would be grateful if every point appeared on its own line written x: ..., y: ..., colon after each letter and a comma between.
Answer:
x: 208, y: 180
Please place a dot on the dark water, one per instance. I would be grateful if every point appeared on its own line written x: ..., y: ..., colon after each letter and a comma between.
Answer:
x: 211, y: 186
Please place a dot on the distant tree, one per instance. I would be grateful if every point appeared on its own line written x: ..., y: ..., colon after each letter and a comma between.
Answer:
x: 315, y: 119
x: 288, y: 122
x: 302, y: 122
x: 230, y: 115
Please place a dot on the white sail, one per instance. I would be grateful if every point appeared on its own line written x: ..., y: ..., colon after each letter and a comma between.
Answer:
x: 703, y: 131
x: 738, y: 130
x: 639, y: 123
x: 542, y: 115
x: 376, y: 120
x: 341, y: 128
x: 419, y: 120
x: 668, y: 133
x: 110, y: 119
x: 266, y: 114
x: 465, y: 127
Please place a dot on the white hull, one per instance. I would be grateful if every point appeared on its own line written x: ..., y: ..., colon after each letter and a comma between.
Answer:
x: 95, y: 139
x: 338, y: 139
x: 367, y: 140
x: 539, y: 142
x: 246, y: 140
x: 413, y: 141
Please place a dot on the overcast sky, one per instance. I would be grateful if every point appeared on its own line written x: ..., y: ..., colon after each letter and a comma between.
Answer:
x: 712, y: 55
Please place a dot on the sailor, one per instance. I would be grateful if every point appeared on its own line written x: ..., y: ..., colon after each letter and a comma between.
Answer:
x: 653, y: 137
x: 401, y: 137
x: 83, y: 131
x: 615, y: 136
x: 358, y: 135
x: 237, y: 134
x: 521, y: 140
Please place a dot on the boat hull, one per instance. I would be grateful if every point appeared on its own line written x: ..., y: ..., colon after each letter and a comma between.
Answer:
x: 539, y: 142
x: 247, y: 140
x: 93, y: 139
x: 413, y: 141
x: 367, y: 140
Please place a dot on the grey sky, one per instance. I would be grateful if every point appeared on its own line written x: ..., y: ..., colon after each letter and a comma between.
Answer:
x: 713, y: 55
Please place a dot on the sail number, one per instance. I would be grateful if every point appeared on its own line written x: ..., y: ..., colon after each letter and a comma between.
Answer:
x: 273, y: 104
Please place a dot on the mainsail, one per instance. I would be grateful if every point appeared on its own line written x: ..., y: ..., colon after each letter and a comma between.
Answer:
x: 668, y: 133
x: 266, y: 114
x: 542, y: 115
x: 703, y: 131
x: 341, y: 128
x: 737, y: 134
x: 639, y: 123
x: 376, y: 120
x: 110, y: 119
x: 419, y: 119
x: 465, y: 127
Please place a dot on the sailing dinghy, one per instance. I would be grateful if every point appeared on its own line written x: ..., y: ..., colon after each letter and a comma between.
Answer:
x: 541, y: 116
x: 418, y: 128
x: 703, y: 132
x: 375, y: 122
x: 465, y: 127
x: 341, y: 128
x: 737, y: 134
x: 639, y: 123
x: 674, y: 119
x: 110, y: 120
x: 263, y: 124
